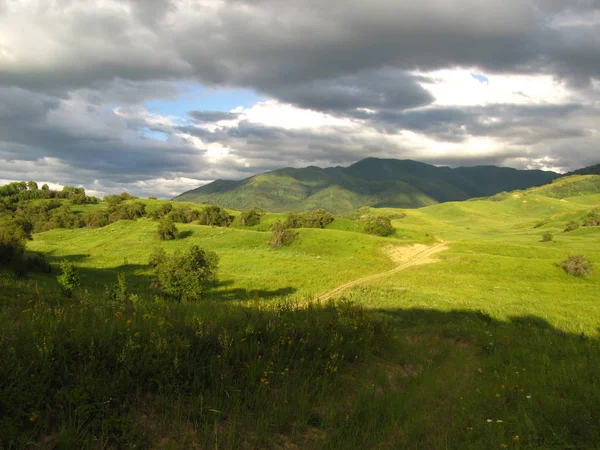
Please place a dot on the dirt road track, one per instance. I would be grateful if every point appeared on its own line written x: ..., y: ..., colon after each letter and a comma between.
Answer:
x: 421, y: 257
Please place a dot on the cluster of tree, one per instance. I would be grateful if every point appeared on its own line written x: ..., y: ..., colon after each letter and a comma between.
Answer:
x: 184, y: 276
x: 313, y: 219
x: 184, y: 214
x: 21, y: 191
x: 378, y: 226
x: 115, y: 212
x: 214, y: 216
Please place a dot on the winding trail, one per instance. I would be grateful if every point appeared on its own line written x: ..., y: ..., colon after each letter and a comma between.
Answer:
x: 421, y: 257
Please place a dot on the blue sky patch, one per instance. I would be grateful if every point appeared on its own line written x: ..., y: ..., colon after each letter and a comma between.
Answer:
x: 481, y: 78
x: 198, y: 98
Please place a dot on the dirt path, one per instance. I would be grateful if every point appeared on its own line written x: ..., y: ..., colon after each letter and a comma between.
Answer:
x: 405, y: 256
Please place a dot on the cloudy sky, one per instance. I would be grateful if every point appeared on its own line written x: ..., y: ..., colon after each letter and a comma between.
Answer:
x: 159, y: 96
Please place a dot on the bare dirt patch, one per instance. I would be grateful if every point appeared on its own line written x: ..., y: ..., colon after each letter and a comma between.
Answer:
x: 405, y: 257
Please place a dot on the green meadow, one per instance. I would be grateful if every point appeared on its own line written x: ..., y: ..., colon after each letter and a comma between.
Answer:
x: 490, y: 345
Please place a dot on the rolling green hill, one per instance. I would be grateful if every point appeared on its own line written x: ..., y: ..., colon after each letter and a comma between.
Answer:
x: 489, y: 345
x: 370, y: 182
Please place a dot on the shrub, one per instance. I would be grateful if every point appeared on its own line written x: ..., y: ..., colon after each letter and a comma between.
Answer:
x: 571, y: 226
x: 251, y: 217
x: 379, y: 226
x: 185, y: 276
x: 577, y: 265
x: 547, y: 237
x: 12, y: 242
x: 119, y: 292
x: 167, y: 231
x: 281, y: 235
x: 314, y: 219
x: 592, y: 219
x: 541, y: 223
x: 68, y: 278
x: 214, y: 216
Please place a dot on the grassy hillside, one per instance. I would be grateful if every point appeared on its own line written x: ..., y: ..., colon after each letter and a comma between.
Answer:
x: 370, y: 182
x: 492, y: 346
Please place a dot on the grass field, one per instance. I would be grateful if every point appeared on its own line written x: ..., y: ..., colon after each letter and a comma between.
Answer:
x: 492, y: 346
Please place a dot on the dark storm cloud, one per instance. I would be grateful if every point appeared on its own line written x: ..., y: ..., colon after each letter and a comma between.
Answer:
x: 212, y: 116
x: 65, y: 67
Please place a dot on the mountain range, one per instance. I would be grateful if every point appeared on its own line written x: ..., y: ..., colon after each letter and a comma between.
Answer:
x: 369, y: 182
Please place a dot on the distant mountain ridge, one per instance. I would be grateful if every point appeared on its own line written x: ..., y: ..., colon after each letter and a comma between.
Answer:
x: 369, y: 182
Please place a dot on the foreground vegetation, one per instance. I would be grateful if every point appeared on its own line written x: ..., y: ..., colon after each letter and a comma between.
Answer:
x: 493, y: 346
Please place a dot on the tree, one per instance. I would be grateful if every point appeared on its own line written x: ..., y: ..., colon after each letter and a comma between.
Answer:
x: 167, y: 231
x: 379, y: 226
x: 69, y: 277
x: 251, y: 217
x: 281, y: 235
x: 577, y: 265
x: 32, y: 186
x: 214, y: 216
x: 185, y: 276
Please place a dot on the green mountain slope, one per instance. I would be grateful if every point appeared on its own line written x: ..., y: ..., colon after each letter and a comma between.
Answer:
x: 591, y: 170
x: 370, y: 182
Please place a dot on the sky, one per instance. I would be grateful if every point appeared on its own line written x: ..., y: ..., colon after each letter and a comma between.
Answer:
x: 155, y: 97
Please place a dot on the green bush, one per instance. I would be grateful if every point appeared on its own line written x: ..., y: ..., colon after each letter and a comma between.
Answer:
x: 281, y: 235
x: 314, y: 219
x: 547, y: 237
x: 167, y: 231
x: 379, y: 226
x: 214, y: 216
x: 68, y: 278
x: 577, y: 265
x: 119, y: 292
x: 185, y: 276
x: 541, y: 223
x: 571, y: 226
x: 592, y: 219
x: 12, y: 242
x: 251, y: 217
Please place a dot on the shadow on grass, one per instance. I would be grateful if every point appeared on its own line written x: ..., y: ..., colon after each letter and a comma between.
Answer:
x: 220, y: 294
x: 139, y: 281
x: 185, y: 234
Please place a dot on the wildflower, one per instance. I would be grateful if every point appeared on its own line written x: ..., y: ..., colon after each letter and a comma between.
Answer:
x: 503, y: 446
x: 503, y: 387
x: 499, y: 421
x: 33, y: 417
x: 498, y: 396
x: 516, y: 439
x: 118, y: 314
x: 529, y: 397
x: 489, y: 421
x: 128, y: 322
